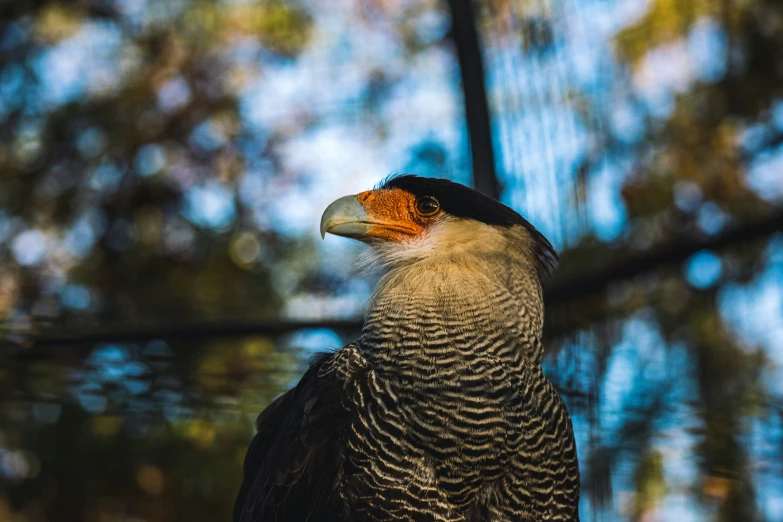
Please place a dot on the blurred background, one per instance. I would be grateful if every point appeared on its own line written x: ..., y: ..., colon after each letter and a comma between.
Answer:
x: 163, y: 168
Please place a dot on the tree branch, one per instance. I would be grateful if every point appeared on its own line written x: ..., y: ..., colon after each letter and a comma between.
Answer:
x: 673, y: 253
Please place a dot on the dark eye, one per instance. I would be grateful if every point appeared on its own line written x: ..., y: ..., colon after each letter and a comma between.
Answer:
x: 427, y: 206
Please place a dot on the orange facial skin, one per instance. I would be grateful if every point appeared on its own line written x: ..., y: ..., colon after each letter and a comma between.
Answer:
x: 393, y: 214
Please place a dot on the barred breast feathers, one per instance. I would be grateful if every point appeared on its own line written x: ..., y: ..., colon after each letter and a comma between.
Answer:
x: 455, y: 397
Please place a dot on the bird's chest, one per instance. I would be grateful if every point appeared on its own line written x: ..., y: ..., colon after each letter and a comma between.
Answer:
x: 448, y: 427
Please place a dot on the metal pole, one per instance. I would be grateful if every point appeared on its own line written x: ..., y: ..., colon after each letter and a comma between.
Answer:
x: 471, y: 64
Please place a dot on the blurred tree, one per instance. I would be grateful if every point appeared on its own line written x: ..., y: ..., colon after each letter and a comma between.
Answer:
x: 122, y: 153
x: 138, y: 188
x: 128, y: 176
x: 691, y: 146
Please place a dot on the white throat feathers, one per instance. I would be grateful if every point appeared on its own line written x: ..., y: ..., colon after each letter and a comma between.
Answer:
x: 459, y: 265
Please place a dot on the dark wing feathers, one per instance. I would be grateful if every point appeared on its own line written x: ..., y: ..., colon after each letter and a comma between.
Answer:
x: 295, y: 457
x: 267, y: 424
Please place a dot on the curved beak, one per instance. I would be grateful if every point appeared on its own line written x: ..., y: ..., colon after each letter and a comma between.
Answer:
x: 346, y: 217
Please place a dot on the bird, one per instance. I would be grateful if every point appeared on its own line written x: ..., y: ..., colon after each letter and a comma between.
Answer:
x: 440, y: 411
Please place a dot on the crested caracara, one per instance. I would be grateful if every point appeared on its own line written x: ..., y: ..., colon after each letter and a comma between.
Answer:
x: 440, y: 411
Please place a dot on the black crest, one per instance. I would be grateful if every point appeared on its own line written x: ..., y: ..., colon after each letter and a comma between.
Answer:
x: 461, y: 201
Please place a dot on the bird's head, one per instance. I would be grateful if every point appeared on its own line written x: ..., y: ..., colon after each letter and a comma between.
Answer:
x: 408, y: 219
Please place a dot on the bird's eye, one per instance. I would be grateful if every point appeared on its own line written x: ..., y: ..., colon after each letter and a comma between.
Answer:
x: 427, y: 206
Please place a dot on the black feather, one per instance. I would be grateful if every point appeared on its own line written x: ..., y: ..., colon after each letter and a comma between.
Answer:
x: 461, y: 201
x: 296, y: 456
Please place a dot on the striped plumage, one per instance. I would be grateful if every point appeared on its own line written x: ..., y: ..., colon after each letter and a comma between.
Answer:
x: 440, y: 410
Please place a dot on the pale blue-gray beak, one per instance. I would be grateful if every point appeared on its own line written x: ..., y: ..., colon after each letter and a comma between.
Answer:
x: 345, y: 217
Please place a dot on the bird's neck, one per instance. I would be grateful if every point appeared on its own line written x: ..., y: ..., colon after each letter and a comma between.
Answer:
x: 458, y: 306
